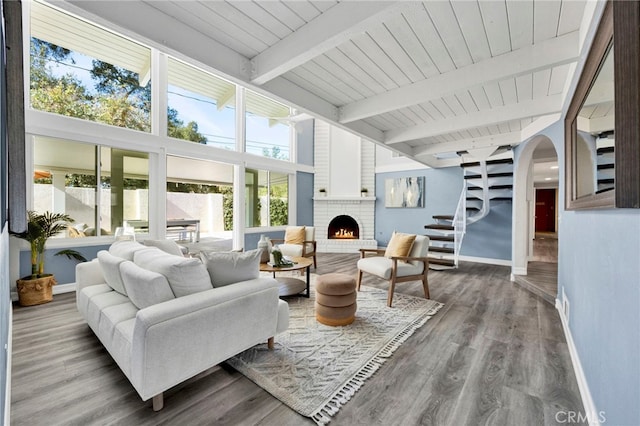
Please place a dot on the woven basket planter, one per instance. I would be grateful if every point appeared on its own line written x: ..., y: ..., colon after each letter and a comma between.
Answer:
x: 35, y: 291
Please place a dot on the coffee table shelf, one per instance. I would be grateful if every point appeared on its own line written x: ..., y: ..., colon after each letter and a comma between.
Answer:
x: 290, y: 286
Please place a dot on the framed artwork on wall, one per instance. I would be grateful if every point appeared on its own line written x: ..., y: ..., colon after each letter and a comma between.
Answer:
x: 407, y: 192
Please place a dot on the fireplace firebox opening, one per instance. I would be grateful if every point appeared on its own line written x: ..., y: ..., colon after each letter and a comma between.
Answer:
x: 343, y: 227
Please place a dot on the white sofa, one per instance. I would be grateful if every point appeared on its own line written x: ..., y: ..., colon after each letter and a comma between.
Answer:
x: 161, y: 319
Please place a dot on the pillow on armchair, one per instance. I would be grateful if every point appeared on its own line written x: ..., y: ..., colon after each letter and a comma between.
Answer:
x: 294, y: 235
x: 400, y: 244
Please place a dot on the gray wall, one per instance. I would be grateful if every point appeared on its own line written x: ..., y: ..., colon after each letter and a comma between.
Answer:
x: 599, y: 271
x: 304, y: 198
x: 488, y: 238
x: 304, y: 133
x: 5, y: 312
x: 63, y: 268
x: 598, y: 261
x: 442, y: 190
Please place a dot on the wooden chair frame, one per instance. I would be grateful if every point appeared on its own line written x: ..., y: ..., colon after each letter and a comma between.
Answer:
x: 394, y: 278
x: 304, y: 250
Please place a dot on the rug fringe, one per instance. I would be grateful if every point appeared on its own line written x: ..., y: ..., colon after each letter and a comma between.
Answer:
x: 325, y: 413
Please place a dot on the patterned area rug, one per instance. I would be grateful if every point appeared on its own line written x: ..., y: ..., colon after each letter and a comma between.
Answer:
x: 315, y: 369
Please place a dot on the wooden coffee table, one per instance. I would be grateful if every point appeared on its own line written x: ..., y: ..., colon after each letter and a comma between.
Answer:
x: 290, y: 286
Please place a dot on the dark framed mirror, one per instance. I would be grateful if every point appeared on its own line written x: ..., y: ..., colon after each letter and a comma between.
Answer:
x: 602, y: 126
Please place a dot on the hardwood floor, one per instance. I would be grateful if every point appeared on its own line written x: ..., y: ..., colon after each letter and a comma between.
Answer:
x: 542, y: 270
x: 494, y: 354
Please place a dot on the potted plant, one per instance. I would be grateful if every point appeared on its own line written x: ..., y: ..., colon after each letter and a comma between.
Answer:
x: 36, y: 288
x: 364, y: 192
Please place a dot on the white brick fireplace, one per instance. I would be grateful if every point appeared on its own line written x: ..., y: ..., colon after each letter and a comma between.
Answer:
x: 344, y: 163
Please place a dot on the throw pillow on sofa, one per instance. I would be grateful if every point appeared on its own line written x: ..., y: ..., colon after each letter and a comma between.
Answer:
x: 185, y: 275
x: 110, y: 265
x: 168, y: 246
x: 125, y: 249
x: 144, y: 288
x: 231, y: 267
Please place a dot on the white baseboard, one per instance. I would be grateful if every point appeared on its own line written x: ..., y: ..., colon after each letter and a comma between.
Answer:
x: 585, y: 393
x: 7, y: 390
x: 488, y: 260
x: 64, y: 288
x: 519, y: 270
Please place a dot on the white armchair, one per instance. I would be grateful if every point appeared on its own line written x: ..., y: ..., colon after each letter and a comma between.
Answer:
x: 397, y: 269
x: 302, y: 247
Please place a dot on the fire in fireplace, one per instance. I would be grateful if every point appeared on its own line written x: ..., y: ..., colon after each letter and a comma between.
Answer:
x: 343, y: 227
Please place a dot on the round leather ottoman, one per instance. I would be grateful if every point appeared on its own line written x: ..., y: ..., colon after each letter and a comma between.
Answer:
x: 335, y: 299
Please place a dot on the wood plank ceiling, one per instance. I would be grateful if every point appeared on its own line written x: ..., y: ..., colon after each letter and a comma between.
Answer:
x: 422, y: 78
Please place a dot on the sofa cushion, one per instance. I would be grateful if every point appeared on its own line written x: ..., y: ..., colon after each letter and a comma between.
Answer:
x: 110, y: 266
x: 125, y: 249
x: 112, y: 316
x: 97, y: 305
x: 185, y: 275
x: 231, y: 267
x: 144, y: 288
x: 86, y: 293
x: 168, y: 246
x: 381, y: 267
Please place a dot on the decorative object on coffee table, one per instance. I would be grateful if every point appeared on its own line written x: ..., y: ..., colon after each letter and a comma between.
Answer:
x: 335, y: 299
x: 264, y: 245
x: 298, y: 241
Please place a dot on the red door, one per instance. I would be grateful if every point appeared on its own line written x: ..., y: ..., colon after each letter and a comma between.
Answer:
x: 545, y: 210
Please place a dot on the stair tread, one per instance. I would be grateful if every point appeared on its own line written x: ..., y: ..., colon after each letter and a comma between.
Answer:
x: 606, y: 180
x: 490, y: 175
x: 440, y: 237
x: 490, y: 162
x: 476, y: 188
x: 605, y: 150
x: 446, y: 262
x: 442, y: 249
x: 439, y: 226
x: 442, y: 217
x: 605, y: 190
x: 606, y: 166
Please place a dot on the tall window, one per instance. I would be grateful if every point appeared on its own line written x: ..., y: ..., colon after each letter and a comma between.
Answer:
x: 80, y: 70
x: 201, y: 106
x: 266, y: 198
x: 202, y: 192
x: 267, y: 127
x: 66, y: 180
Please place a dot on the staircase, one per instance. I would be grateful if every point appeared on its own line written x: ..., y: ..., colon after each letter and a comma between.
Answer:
x: 486, y: 182
x: 606, y: 172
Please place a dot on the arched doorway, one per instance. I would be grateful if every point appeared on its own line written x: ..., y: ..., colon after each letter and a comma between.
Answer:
x: 535, y: 223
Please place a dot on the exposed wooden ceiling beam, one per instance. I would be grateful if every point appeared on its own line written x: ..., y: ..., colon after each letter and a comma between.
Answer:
x: 549, y: 53
x: 532, y: 108
x: 135, y: 17
x: 469, y: 144
x: 330, y: 29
